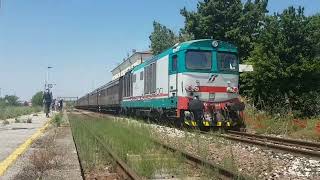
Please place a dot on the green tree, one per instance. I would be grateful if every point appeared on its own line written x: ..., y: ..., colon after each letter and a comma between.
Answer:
x: 227, y: 20
x: 286, y: 64
x: 161, y: 38
x: 11, y: 100
x: 37, y: 99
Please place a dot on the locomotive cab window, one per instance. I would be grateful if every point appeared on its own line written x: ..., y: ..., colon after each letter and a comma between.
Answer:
x: 227, y: 62
x: 198, y: 60
x: 141, y: 75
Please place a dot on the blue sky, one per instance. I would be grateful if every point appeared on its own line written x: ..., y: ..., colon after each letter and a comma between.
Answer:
x: 83, y: 39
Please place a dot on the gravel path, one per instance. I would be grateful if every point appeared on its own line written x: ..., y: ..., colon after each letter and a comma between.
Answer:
x: 14, y: 134
x: 53, y: 155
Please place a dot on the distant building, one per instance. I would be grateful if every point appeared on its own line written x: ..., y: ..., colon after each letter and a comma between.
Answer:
x: 135, y: 59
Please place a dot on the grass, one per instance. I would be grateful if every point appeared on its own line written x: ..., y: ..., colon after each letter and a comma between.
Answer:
x: 57, y: 119
x: 282, y: 124
x: 131, y: 141
x: 15, y: 111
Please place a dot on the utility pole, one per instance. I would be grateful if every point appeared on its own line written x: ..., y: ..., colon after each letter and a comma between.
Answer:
x: 46, y: 86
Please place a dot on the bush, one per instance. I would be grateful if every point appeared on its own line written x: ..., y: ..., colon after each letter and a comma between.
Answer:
x: 309, y: 104
x: 29, y: 120
x: 57, y: 119
x: 15, y: 111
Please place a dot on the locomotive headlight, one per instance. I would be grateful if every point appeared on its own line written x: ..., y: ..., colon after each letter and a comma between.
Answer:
x: 215, y: 43
x: 232, y: 89
x: 229, y: 89
x: 189, y: 88
x: 235, y: 89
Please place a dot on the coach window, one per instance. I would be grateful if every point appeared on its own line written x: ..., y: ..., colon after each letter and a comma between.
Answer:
x: 134, y: 78
x: 174, y: 63
x: 141, y: 75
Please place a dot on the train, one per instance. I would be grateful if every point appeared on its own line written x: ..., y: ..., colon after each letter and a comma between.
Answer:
x: 194, y: 83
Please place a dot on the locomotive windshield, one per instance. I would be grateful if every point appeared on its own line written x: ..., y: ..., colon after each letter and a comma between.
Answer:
x: 227, y: 62
x: 198, y: 60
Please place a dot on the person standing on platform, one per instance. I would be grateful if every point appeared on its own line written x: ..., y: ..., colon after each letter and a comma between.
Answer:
x: 47, y: 99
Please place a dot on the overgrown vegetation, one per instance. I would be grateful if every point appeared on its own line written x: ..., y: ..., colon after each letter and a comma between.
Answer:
x: 283, y: 48
x: 130, y: 141
x: 11, y: 108
x: 15, y: 111
x: 57, y: 119
x: 282, y: 124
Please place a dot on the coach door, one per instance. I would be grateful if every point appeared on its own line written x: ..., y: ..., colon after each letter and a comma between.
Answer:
x: 173, y: 76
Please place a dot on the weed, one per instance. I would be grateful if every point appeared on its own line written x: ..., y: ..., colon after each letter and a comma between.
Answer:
x: 27, y: 173
x: 41, y: 160
x: 29, y: 120
x: 16, y: 120
x: 309, y: 132
x: 5, y: 122
x: 57, y: 119
x: 281, y: 124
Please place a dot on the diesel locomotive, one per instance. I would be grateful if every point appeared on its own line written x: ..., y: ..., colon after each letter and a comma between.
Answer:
x: 194, y: 83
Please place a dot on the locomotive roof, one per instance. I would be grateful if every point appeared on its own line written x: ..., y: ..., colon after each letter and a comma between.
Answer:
x: 200, y: 44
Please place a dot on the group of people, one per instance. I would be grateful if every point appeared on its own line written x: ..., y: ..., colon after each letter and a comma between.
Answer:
x: 50, y: 103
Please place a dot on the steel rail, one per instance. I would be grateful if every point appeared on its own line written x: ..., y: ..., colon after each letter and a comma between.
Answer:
x: 77, y: 150
x: 131, y: 173
x: 203, y: 162
x: 290, y: 145
x: 193, y: 158
x: 287, y: 140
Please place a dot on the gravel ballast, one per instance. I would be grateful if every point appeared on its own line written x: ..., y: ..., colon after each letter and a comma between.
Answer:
x: 255, y: 161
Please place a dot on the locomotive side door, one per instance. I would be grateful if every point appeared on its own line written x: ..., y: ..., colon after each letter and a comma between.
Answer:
x: 173, y: 76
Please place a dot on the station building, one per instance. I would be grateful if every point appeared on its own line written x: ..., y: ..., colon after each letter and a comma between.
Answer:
x: 135, y: 59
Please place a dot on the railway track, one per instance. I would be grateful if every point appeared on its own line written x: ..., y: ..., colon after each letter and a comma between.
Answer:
x: 203, y: 162
x: 284, y: 144
x: 301, y: 147
x: 191, y: 159
x: 125, y: 169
